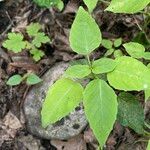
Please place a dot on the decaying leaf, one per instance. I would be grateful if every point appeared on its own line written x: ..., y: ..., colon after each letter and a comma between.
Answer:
x: 76, y: 143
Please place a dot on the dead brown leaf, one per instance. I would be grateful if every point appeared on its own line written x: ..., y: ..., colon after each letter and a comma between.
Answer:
x: 11, y: 121
x: 9, y: 127
x: 72, y: 6
x: 4, y: 136
x: 76, y: 143
x: 90, y: 138
x: 29, y: 143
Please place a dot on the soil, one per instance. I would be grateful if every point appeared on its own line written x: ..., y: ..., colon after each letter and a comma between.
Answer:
x: 15, y: 16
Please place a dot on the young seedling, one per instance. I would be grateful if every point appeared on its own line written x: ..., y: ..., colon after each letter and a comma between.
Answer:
x: 112, y: 47
x: 50, y: 3
x: 30, y: 79
x: 99, y: 98
x: 16, y: 42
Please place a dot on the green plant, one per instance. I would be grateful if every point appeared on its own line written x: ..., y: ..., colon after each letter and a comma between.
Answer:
x: 16, y: 42
x: 112, y: 47
x: 148, y: 147
x: 131, y: 7
x: 127, y: 6
x: 125, y: 73
x: 30, y: 79
x: 50, y: 3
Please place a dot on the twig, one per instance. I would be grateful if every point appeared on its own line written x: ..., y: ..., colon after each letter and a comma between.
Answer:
x: 9, y: 17
x: 137, y: 23
x: 6, y: 30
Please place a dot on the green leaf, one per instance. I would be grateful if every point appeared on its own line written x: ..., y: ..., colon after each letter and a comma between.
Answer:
x: 60, y: 5
x: 39, y: 39
x: 103, y: 65
x: 28, y: 45
x: 118, y: 42
x: 127, y: 6
x: 148, y: 146
x: 129, y: 75
x: 61, y: 99
x: 100, y: 103
x: 33, y: 79
x: 78, y: 71
x: 118, y: 53
x: 135, y: 50
x: 109, y: 52
x: 130, y: 112
x: 47, y: 3
x: 148, y: 65
x: 90, y: 4
x: 15, y: 42
x: 14, y: 80
x: 78, y: 62
x: 85, y: 35
x: 33, y: 29
x: 37, y: 54
x: 147, y: 94
x: 147, y: 91
x: 107, y: 44
x: 142, y: 38
x: 146, y: 55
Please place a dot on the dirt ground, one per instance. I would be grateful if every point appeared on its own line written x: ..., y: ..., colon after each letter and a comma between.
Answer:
x: 15, y: 15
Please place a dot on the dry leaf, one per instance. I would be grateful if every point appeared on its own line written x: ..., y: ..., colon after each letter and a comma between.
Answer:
x: 76, y: 143
x: 11, y: 121
x: 71, y: 7
x: 4, y: 136
x: 90, y: 138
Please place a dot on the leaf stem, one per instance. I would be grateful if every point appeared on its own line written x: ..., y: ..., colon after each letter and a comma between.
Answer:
x: 89, y: 62
x: 26, y: 75
x: 90, y: 66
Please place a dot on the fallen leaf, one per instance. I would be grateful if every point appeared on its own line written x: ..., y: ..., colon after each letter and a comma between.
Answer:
x: 90, y: 138
x: 30, y: 143
x: 11, y: 121
x: 72, y: 6
x: 4, y: 136
x: 76, y: 143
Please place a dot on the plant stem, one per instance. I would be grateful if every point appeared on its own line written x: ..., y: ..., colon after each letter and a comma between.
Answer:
x: 99, y: 148
x: 90, y: 66
x: 25, y: 76
x: 89, y: 62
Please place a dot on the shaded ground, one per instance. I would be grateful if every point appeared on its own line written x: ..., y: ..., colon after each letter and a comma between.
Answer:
x: 15, y: 16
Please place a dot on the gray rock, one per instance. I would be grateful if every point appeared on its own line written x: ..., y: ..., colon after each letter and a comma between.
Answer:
x: 67, y: 127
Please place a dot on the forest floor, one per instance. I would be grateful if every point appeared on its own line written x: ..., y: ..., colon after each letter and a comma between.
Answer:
x: 15, y: 16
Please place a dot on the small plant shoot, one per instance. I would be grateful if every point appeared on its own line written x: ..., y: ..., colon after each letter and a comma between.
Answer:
x: 50, y: 3
x: 30, y: 79
x: 112, y: 47
x: 17, y: 43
